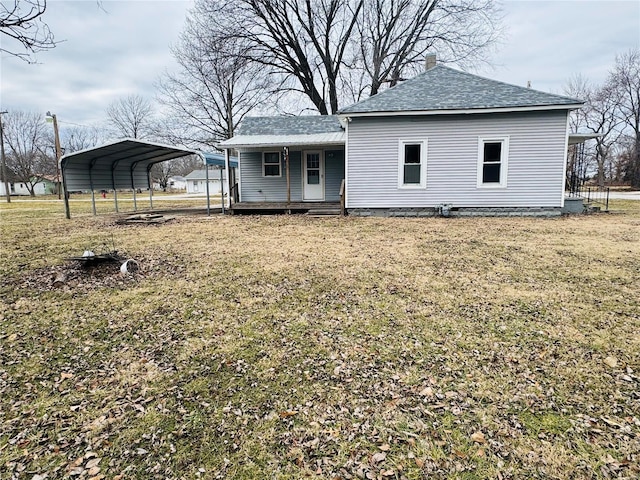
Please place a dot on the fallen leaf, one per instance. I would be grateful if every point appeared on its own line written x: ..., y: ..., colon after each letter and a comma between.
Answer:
x: 611, y: 361
x: 427, y: 392
x: 378, y: 457
x: 385, y: 447
x: 92, y: 463
x: 288, y: 413
x: 478, y: 437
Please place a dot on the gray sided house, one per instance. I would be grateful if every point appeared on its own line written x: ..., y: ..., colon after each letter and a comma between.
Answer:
x: 443, y: 141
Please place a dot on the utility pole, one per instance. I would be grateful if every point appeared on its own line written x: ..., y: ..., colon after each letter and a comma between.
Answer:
x: 4, y: 161
x: 58, y: 151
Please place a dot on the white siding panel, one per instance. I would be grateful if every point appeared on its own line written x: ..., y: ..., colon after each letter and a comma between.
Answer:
x: 535, y: 166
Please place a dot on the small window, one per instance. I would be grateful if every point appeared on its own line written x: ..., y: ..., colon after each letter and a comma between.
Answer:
x: 492, y: 162
x: 271, y: 164
x: 412, y: 165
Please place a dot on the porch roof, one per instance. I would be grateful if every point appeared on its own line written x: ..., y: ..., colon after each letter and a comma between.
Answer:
x: 279, y: 141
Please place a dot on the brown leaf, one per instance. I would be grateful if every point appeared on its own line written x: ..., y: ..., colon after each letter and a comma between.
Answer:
x: 385, y: 447
x: 478, y: 437
x: 611, y: 361
x: 92, y: 463
x: 378, y: 457
x: 427, y: 392
x: 288, y: 413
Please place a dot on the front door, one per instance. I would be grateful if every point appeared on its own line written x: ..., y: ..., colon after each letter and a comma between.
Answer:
x: 313, y: 182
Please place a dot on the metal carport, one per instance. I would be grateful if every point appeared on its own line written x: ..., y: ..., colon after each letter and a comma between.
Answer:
x: 125, y: 164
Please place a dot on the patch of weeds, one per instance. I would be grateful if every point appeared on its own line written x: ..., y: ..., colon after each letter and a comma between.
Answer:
x: 547, y: 423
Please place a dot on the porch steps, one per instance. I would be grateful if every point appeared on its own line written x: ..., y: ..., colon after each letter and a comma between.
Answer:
x: 323, y: 212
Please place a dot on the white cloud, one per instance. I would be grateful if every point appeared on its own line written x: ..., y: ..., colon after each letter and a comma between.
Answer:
x: 122, y: 49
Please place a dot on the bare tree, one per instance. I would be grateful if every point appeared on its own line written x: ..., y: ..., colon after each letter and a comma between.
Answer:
x: 597, y: 116
x: 624, y: 82
x: 396, y: 35
x: 214, y: 88
x: 77, y: 138
x: 21, y: 24
x: 27, y: 140
x: 324, y: 48
x: 131, y: 117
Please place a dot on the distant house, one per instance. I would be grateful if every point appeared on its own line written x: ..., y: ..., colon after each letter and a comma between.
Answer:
x: 177, y: 182
x: 443, y: 141
x: 196, y: 182
x: 44, y: 186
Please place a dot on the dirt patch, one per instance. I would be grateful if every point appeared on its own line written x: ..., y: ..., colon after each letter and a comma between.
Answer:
x: 74, y: 275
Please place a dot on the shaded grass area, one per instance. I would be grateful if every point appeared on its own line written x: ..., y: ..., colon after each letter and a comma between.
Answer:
x: 288, y: 347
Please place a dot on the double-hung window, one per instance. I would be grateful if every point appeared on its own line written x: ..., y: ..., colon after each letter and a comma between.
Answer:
x: 271, y: 164
x: 412, y: 164
x: 493, y: 155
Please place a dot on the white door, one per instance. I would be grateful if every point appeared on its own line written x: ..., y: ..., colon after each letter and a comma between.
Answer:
x: 313, y: 182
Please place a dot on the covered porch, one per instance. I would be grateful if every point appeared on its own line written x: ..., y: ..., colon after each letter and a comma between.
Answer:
x: 298, y: 169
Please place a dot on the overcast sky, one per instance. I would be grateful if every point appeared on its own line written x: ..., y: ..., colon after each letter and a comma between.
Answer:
x: 123, y: 48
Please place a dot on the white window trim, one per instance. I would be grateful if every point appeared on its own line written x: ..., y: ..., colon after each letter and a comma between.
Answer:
x: 504, y: 161
x: 423, y: 163
x: 280, y: 164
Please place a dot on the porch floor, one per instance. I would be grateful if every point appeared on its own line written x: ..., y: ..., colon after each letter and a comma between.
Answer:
x: 283, y: 207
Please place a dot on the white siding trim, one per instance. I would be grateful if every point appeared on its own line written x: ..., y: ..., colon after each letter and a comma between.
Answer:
x: 423, y: 162
x: 504, y: 161
x: 346, y: 164
x: 564, y: 167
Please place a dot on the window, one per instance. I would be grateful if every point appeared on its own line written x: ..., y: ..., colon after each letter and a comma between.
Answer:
x: 493, y: 154
x: 412, y: 164
x: 271, y: 164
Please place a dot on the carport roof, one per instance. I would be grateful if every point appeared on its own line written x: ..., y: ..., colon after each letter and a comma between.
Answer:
x: 123, y: 164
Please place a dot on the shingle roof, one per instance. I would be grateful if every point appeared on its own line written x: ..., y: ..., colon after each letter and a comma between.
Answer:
x: 304, y: 125
x: 444, y: 88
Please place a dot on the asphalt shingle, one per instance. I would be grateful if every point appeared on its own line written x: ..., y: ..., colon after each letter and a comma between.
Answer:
x: 444, y: 88
x: 303, y: 125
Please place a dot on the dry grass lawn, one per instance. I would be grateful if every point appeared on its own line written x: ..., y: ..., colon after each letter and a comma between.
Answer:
x: 293, y: 347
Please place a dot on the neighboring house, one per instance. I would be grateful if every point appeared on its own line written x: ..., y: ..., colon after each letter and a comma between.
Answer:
x: 19, y: 188
x: 443, y: 141
x: 177, y: 182
x: 196, y: 181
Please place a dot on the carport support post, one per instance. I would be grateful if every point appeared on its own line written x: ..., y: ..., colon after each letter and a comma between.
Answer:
x: 67, y: 212
x: 206, y: 176
x: 113, y: 184
x: 135, y: 203
x: 93, y: 201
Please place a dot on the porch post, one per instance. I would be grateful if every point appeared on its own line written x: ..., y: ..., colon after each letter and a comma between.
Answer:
x: 227, y: 168
x: 286, y: 160
x: 222, y: 189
